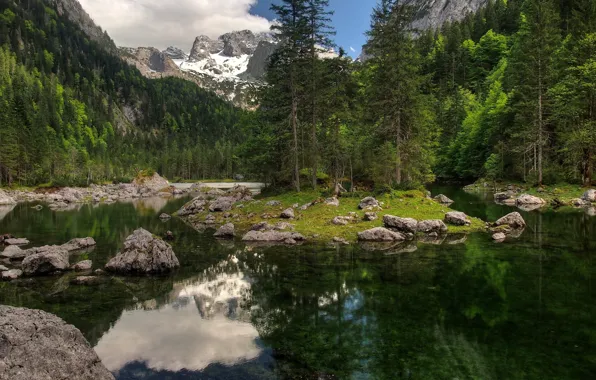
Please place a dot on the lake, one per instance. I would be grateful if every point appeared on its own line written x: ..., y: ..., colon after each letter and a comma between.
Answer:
x: 473, y: 309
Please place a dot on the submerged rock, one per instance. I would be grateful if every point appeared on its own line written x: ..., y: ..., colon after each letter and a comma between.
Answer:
x: 380, y: 234
x: 79, y: 244
x: 368, y: 203
x: 165, y: 216
x: 39, y: 345
x: 225, y: 231
x: 87, y: 280
x: 513, y: 220
x: 53, y: 259
x: 457, y: 218
x: 443, y: 199
x: 143, y: 253
x: 407, y: 225
x: 499, y: 236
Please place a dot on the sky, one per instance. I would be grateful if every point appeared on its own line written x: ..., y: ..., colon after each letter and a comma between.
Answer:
x: 163, y: 23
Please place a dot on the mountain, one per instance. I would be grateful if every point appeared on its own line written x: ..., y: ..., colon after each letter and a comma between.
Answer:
x: 232, y: 65
x: 432, y: 14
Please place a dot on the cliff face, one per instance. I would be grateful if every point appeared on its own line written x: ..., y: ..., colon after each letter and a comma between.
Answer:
x: 432, y: 14
x: 75, y: 13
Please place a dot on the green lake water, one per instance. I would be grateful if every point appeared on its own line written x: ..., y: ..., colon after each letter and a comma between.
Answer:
x: 523, y: 309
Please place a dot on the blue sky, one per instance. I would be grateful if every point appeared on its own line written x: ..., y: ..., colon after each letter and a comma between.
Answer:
x: 351, y: 20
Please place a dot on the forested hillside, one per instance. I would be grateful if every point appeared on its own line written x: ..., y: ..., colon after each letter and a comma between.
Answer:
x: 71, y: 112
x: 507, y: 93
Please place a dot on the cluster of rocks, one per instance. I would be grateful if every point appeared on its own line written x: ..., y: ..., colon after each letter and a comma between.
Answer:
x: 280, y: 233
x: 64, y: 198
x: 400, y: 229
x: 46, y: 260
x: 511, y: 225
x: 586, y: 200
x: 215, y: 200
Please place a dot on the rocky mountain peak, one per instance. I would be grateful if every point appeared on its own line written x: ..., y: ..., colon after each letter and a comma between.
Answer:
x: 175, y: 53
x: 432, y: 14
x: 204, y: 46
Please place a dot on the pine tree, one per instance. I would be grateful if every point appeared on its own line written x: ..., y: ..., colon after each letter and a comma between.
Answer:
x: 532, y: 66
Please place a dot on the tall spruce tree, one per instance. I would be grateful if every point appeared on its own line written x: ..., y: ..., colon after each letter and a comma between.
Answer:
x: 532, y: 67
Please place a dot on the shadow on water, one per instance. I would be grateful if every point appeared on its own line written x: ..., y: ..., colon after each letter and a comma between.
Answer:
x: 470, y: 309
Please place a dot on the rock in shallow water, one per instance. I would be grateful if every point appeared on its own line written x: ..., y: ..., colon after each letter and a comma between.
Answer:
x: 589, y: 195
x: 513, y: 220
x: 407, y: 225
x: 53, y: 259
x: 13, y: 252
x: 457, y: 218
x: 12, y: 274
x: 16, y: 241
x: 82, y: 266
x: 273, y: 236
x: 526, y: 199
x: 430, y: 226
x: 143, y: 253
x: 225, y: 231
x: 39, y: 345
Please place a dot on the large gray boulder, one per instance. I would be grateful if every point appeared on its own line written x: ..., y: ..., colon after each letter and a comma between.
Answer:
x: 589, y: 195
x: 407, y: 225
x: 225, y: 231
x: 513, y: 220
x: 154, y: 183
x: 443, y: 199
x: 143, y: 253
x: 5, y: 199
x: 430, y: 226
x: 222, y: 204
x: 457, y: 218
x: 527, y: 199
x: 36, y: 345
x: 53, y: 259
x: 380, y: 234
x: 13, y: 252
x: 287, y: 213
x: 368, y: 203
x: 11, y: 274
x: 195, y: 206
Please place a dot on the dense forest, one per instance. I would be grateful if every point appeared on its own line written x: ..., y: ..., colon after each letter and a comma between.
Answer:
x: 71, y: 112
x: 506, y: 93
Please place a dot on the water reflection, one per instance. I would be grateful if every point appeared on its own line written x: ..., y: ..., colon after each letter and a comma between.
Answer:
x: 205, y: 321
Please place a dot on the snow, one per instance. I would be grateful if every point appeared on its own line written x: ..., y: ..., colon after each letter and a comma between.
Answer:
x: 217, y: 66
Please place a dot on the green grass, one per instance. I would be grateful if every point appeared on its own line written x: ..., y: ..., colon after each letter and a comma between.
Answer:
x: 316, y: 220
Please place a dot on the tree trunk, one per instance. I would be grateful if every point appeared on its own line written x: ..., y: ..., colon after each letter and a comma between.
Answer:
x: 398, y: 149
x: 294, y: 121
x: 540, y: 122
x: 588, y: 169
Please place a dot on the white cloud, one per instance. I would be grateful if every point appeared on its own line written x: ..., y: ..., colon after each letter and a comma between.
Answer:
x: 352, y: 50
x: 161, y: 23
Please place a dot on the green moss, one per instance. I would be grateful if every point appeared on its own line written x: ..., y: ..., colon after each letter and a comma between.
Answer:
x: 316, y: 220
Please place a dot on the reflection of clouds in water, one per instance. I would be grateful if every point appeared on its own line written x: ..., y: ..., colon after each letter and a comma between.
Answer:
x: 5, y: 210
x: 194, y: 331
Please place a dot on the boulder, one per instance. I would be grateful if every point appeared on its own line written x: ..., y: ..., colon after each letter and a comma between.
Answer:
x: 225, y: 231
x: 195, y: 206
x: 273, y: 203
x: 430, y: 226
x: 154, y: 183
x: 501, y: 197
x: 341, y: 220
x: 499, y: 236
x: 13, y: 252
x: 513, y: 220
x: 5, y: 199
x: 580, y: 202
x: 82, y: 266
x: 287, y: 214
x: 222, y: 204
x: 272, y: 236
x: 143, y: 253
x: 53, y: 259
x: 527, y: 199
x: 16, y: 241
x: 79, y: 244
x: 165, y: 216
x: 380, y: 234
x: 39, y: 345
x: 457, y: 218
x: 589, y: 196
x: 443, y: 199
x: 261, y: 226
x: 334, y: 201
x: 370, y: 216
x: 12, y: 274
x: 240, y: 193
x: 368, y: 203
x: 282, y: 226
x: 407, y: 225
x: 70, y: 195
x: 3, y: 268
